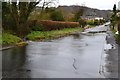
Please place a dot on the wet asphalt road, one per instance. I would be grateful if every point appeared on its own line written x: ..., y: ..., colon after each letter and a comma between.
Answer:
x: 81, y: 55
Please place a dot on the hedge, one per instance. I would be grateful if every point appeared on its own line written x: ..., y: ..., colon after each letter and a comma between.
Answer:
x: 47, y: 25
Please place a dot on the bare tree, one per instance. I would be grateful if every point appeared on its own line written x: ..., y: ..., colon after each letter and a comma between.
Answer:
x: 48, y: 3
x: 20, y: 12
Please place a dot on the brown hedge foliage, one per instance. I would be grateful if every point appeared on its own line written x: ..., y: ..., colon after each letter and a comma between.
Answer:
x: 32, y: 22
x: 48, y: 25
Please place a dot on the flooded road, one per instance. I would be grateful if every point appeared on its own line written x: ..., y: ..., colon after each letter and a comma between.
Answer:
x: 74, y: 56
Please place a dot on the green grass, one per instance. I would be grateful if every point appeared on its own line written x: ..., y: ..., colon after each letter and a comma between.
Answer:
x: 90, y: 26
x: 8, y: 39
x: 48, y: 34
x: 116, y: 36
x: 113, y: 30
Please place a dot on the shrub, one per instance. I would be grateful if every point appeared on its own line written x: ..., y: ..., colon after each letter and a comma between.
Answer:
x: 32, y: 23
x: 102, y: 21
x: 82, y: 22
x: 69, y: 17
x: 55, y: 25
x: 37, y: 28
x: 96, y: 22
x: 78, y: 14
x: 47, y: 25
x: 57, y: 16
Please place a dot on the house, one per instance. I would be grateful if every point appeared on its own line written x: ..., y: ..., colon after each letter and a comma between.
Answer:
x: 88, y: 18
x: 99, y: 18
x: 91, y: 18
x: 119, y: 5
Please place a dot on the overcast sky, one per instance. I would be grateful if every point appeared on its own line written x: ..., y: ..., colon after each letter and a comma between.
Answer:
x: 99, y: 4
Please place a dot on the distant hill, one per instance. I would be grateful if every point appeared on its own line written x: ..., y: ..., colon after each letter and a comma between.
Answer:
x: 87, y: 11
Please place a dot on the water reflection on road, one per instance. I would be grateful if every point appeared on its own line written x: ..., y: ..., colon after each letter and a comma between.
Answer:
x: 75, y: 56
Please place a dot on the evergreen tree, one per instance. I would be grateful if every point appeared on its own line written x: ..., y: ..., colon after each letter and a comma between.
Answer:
x: 114, y: 9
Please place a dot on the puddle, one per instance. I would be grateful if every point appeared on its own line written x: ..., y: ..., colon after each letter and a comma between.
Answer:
x: 97, y: 32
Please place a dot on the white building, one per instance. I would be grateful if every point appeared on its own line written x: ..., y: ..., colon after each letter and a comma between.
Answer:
x: 119, y: 5
x: 99, y: 18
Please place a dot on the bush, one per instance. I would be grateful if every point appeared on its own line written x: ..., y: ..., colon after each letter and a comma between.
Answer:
x: 96, y: 22
x: 82, y: 22
x: 32, y: 23
x: 78, y: 14
x: 69, y: 17
x: 57, y: 16
x: 37, y: 28
x: 102, y: 21
x: 55, y: 25
x: 47, y: 25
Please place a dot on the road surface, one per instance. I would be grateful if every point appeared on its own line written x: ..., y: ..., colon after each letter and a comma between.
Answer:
x: 81, y: 55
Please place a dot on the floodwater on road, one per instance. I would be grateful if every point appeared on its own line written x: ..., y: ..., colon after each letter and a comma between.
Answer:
x: 74, y: 56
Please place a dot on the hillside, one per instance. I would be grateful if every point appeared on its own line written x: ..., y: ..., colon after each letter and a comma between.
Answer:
x: 87, y: 11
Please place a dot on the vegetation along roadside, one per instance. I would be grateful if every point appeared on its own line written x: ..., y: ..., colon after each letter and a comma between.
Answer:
x: 42, y: 35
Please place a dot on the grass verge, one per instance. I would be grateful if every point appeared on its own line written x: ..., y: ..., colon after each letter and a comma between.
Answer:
x: 117, y: 37
x: 90, y: 26
x: 9, y: 39
x: 42, y: 35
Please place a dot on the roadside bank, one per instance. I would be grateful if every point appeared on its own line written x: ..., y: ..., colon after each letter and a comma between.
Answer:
x: 112, y: 57
x: 10, y: 41
x: 43, y: 35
